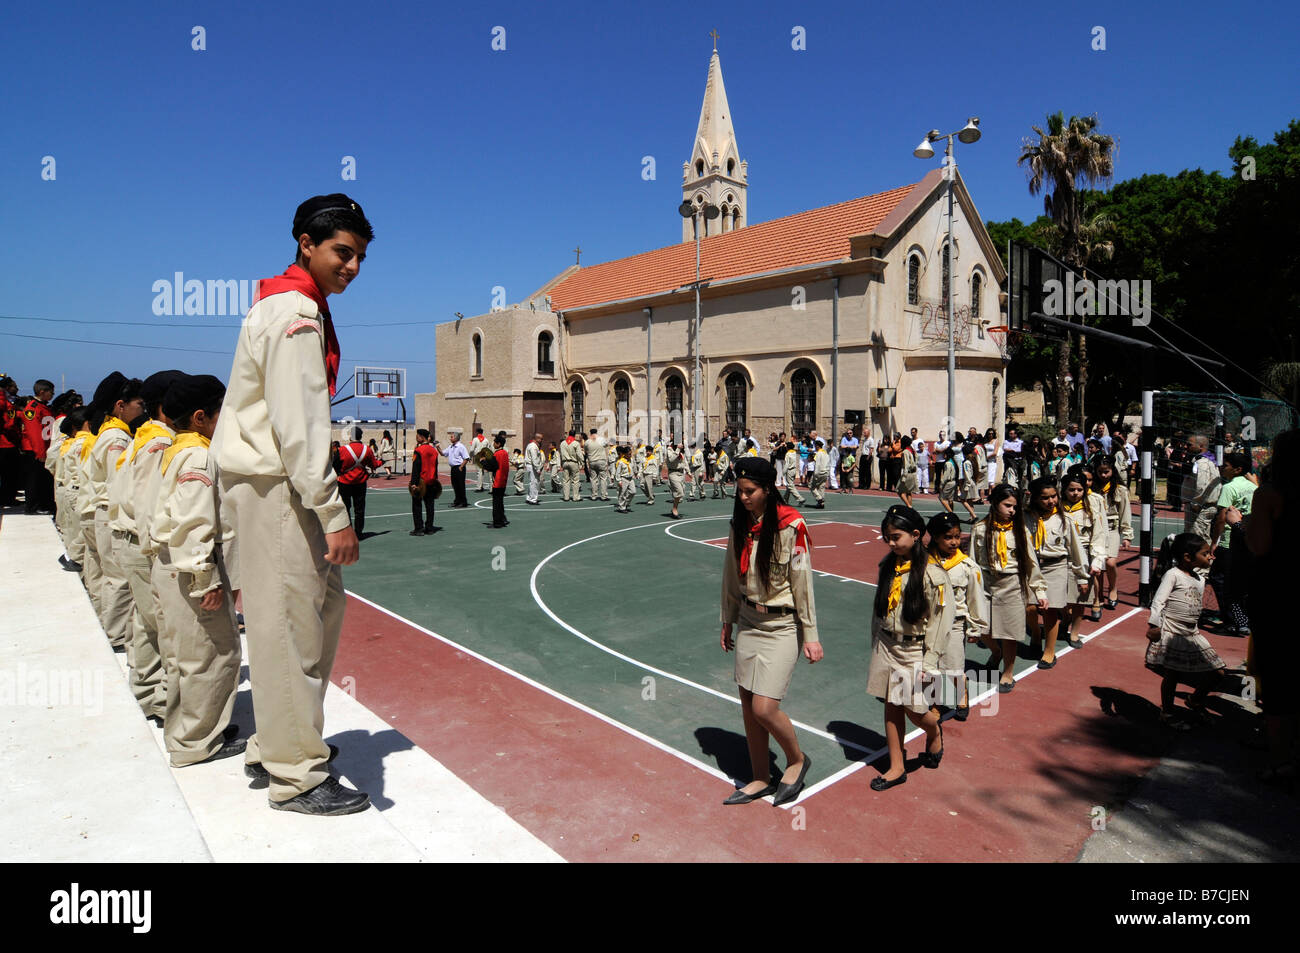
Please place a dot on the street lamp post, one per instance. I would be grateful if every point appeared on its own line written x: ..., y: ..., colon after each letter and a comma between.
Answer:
x: 710, y: 212
x: 968, y: 133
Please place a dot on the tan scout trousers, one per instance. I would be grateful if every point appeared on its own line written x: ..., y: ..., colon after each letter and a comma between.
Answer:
x: 648, y: 486
x: 599, y: 482
x: 147, y: 684
x: 818, y: 483
x: 572, y: 481
x: 114, y: 591
x: 74, y: 540
x: 697, y: 484
x: 91, y: 573
x: 202, y: 666
x: 293, y: 613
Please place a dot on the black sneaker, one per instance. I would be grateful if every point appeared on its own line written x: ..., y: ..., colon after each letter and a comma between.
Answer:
x: 261, y: 777
x: 416, y: 532
x: 328, y: 798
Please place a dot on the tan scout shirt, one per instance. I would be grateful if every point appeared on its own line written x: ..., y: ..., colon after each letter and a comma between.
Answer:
x: 187, y: 525
x: 147, y: 480
x: 597, y: 455
x: 789, y: 583
x: 99, y: 467
x: 1037, y: 584
x: 934, y: 628
x: 275, y: 420
x: 533, y: 456
x: 969, y: 600
x: 1060, y: 541
x: 674, y: 460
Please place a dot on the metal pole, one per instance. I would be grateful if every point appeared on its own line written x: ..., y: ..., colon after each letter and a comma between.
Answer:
x: 835, y: 357
x: 952, y: 264
x: 649, y: 388
x: 1218, y: 435
x: 1147, y: 491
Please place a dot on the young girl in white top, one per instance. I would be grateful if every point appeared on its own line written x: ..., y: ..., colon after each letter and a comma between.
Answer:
x: 1119, y: 524
x: 1088, y: 515
x: 1178, y: 653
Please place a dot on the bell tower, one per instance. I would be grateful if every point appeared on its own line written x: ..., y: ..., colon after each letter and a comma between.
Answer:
x: 715, y: 173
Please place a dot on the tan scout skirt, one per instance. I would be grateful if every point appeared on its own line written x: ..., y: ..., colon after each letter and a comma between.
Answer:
x: 907, y: 483
x: 766, y: 647
x: 1056, y: 573
x: 1007, y: 602
x: 895, y: 673
x: 953, y: 659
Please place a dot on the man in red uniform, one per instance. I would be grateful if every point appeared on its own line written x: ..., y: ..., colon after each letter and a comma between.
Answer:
x: 357, y: 460
x: 36, y: 421
x: 10, y: 437
x: 424, y: 471
x: 499, y: 477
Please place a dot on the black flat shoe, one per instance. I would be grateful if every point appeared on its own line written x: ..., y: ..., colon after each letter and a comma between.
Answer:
x: 1051, y: 664
x: 961, y: 712
x: 929, y: 760
x: 740, y: 797
x: 785, y: 793
x: 1074, y: 643
x: 227, y: 750
x: 70, y: 566
x: 880, y: 784
x: 1004, y: 687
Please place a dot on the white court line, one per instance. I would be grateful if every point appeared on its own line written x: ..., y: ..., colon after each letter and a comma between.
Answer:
x: 821, y: 572
x: 532, y: 584
x: 918, y: 732
x: 714, y: 772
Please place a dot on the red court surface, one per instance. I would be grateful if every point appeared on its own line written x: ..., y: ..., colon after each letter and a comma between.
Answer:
x: 1019, y: 785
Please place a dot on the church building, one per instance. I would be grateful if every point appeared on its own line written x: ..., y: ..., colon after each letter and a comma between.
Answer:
x: 824, y: 320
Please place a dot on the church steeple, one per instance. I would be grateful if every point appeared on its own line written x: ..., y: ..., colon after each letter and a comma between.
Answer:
x: 715, y: 173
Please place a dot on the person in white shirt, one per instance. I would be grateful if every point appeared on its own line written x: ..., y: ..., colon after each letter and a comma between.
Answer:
x: 534, y: 461
x: 867, y: 461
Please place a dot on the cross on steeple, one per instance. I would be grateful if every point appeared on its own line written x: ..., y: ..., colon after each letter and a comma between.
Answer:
x: 578, y: 251
x: 715, y: 34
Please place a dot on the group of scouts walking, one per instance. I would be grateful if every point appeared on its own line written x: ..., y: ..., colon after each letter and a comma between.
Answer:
x: 177, y: 495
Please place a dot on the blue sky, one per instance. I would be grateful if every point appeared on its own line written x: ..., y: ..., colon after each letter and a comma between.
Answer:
x: 481, y: 168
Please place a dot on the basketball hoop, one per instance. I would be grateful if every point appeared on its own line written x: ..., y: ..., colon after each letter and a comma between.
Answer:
x: 1007, y: 340
x: 384, y: 399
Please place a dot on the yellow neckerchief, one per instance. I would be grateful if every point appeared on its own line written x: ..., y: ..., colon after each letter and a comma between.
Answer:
x: 1104, y: 490
x: 722, y: 459
x: 954, y: 560
x: 86, y: 447
x: 1040, y: 531
x: 67, y: 444
x: 187, y: 439
x: 1000, y: 547
x: 1073, y: 507
x: 110, y: 423
x: 896, y: 586
x: 753, y: 451
x: 147, y: 432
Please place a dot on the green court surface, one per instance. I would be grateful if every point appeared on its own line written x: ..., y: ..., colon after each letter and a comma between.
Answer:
x: 621, y: 613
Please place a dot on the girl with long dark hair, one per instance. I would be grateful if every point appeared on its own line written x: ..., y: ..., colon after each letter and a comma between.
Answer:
x: 910, y: 627
x: 1003, y: 552
x: 970, y: 606
x: 1062, y: 561
x: 767, y: 597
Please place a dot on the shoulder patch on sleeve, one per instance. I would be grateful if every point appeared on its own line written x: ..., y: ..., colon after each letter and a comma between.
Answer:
x: 300, y: 323
x: 196, y: 476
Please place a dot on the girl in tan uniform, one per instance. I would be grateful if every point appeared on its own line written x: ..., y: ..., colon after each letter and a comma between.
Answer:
x: 1004, y: 554
x: 198, y: 637
x: 1088, y: 513
x: 969, y: 603
x: 907, y: 481
x: 910, y: 629
x: 767, y: 598
x: 1062, y: 561
x: 1119, y: 524
x: 623, y: 477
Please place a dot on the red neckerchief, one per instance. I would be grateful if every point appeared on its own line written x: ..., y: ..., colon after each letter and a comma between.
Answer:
x: 785, y: 515
x: 297, y: 278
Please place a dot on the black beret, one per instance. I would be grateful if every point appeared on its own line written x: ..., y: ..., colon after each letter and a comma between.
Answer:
x: 758, y: 469
x: 191, y: 392
x: 155, y: 386
x: 322, y: 203
x: 107, y: 391
x: 906, y: 515
x: 942, y: 523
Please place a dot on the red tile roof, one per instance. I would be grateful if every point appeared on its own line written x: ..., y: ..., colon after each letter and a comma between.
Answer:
x: 820, y: 234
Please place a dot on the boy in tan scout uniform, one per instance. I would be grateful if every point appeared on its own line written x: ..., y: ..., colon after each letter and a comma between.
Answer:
x: 120, y: 399
x: 790, y: 464
x: 272, y: 452
x: 675, y: 461
x: 649, y: 475
x: 697, y: 473
x: 199, y: 638
x: 130, y: 511
x: 571, y: 462
x: 67, y: 486
x: 626, y: 482
x: 598, y: 466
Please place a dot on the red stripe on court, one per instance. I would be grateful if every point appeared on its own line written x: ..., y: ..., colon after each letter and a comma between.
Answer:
x: 1019, y: 785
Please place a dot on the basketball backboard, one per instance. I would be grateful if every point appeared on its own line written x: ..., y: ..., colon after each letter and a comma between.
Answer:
x: 379, y: 382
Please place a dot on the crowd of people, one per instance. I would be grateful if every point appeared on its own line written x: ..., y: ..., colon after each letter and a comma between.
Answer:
x: 178, y: 498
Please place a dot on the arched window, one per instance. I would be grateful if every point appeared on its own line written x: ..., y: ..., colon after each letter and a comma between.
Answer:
x: 673, y: 390
x: 545, y: 366
x: 476, y: 369
x: 731, y: 167
x: 914, y: 279
x: 575, y: 404
x: 726, y: 219
x: 622, y: 395
x: 737, y: 400
x: 735, y: 219
x: 943, y: 291
x: 803, y: 402
x: 976, y: 286
x: 699, y: 167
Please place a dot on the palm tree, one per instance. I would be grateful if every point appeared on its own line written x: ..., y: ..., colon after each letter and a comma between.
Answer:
x: 1066, y: 159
